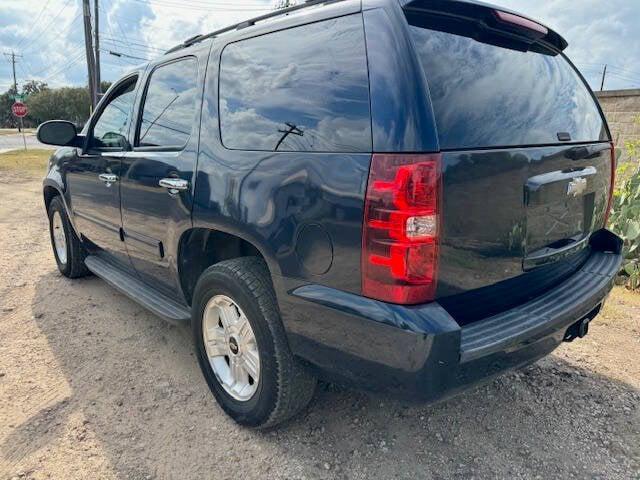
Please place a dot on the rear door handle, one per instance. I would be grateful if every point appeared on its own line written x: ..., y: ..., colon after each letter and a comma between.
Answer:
x: 174, y: 185
x: 108, y: 178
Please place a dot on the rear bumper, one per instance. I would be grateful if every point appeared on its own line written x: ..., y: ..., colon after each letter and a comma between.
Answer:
x: 420, y: 351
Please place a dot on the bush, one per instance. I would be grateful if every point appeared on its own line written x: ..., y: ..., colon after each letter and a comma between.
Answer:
x: 625, y: 218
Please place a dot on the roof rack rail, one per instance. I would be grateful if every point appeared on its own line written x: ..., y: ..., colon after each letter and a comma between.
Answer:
x: 246, y: 23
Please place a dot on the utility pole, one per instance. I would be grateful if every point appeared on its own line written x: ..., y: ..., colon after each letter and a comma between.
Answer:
x: 15, y: 81
x: 91, y: 66
x: 604, y: 74
x: 97, y: 47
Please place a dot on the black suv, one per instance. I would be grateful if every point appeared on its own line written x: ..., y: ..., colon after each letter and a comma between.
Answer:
x: 406, y: 196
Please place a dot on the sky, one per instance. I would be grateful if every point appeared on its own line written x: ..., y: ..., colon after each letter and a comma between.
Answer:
x: 48, y: 34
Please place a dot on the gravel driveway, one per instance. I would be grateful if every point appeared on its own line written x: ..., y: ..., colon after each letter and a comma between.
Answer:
x: 93, y: 386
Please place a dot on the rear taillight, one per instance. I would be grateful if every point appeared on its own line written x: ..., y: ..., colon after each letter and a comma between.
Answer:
x: 612, y: 184
x: 401, y: 228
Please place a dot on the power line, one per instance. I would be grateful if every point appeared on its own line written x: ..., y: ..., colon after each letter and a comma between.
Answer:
x: 205, y: 8
x: 39, y: 42
x: 45, y: 29
x: 120, y: 54
x: 628, y: 79
x: 140, y: 49
x: 110, y: 30
x: 35, y: 22
x: 13, y: 56
x: 611, y: 67
x: 65, y: 67
x: 116, y: 40
x: 124, y: 35
x: 52, y: 66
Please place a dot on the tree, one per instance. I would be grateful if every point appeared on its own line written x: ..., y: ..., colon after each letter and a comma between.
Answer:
x: 33, y: 86
x: 284, y: 4
x: 7, y: 120
x: 104, y: 85
x: 67, y: 103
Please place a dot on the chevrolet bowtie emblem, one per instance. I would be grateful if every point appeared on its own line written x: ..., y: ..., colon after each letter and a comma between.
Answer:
x: 577, y: 187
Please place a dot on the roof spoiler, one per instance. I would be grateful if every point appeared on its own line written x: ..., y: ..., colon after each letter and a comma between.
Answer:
x: 489, y: 20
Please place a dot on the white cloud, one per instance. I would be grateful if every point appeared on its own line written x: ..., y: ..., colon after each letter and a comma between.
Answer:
x: 598, y: 32
x: 169, y: 26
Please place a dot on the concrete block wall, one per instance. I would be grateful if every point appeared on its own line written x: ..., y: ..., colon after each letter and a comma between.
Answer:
x: 622, y: 109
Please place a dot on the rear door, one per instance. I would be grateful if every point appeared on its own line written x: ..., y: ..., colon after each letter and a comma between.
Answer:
x: 159, y: 172
x: 526, y: 156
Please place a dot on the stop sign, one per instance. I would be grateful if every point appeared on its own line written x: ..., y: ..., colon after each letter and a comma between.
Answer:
x: 19, y: 109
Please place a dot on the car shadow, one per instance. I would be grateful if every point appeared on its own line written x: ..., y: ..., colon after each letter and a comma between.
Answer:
x: 136, y: 395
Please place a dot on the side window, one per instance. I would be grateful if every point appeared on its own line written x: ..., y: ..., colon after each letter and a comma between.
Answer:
x: 301, y: 89
x: 169, y: 108
x: 111, y: 128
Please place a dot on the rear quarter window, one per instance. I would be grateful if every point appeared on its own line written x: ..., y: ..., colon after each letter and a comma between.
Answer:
x: 301, y: 89
x: 485, y: 95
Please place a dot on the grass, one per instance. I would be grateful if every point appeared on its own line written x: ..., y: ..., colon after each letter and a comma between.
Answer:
x: 32, y: 162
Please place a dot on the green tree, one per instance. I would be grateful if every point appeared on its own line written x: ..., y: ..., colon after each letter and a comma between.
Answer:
x: 33, y: 86
x: 67, y: 103
x: 7, y: 120
x: 284, y: 4
x: 104, y: 85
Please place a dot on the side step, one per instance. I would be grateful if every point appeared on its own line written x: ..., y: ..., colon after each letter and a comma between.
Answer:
x: 136, y: 290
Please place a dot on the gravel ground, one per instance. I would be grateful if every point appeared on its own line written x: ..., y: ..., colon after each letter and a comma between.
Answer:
x: 93, y: 386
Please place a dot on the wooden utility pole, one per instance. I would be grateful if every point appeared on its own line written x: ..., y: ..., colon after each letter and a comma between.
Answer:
x: 91, y: 65
x: 12, y: 57
x: 96, y: 34
x: 604, y: 74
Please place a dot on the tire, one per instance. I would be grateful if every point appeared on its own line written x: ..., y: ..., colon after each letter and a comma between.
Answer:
x: 285, y: 386
x: 70, y: 257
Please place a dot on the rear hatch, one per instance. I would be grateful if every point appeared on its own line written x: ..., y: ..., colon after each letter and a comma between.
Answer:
x: 526, y: 159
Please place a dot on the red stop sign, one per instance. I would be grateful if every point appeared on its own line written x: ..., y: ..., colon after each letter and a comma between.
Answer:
x: 19, y: 109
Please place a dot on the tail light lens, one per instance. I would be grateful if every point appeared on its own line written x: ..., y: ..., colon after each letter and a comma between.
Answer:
x: 612, y: 186
x: 401, y: 228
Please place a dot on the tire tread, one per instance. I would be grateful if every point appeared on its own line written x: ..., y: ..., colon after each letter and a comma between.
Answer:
x: 295, y: 384
x: 76, y: 255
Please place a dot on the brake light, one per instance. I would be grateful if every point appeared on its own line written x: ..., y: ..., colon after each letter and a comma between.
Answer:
x: 519, y: 21
x: 612, y: 184
x: 401, y: 228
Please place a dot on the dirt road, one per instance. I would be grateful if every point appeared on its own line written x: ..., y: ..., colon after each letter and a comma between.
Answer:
x: 93, y: 386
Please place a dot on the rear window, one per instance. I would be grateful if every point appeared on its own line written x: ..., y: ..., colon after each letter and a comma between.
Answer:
x: 302, y: 89
x: 486, y: 95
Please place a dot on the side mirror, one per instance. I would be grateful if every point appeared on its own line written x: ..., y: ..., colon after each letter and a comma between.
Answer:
x: 58, y: 132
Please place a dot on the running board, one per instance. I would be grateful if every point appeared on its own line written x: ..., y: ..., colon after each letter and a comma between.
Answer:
x: 135, y: 289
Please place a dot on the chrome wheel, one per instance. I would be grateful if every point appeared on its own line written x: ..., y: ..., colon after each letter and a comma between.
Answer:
x: 59, y: 237
x: 231, y: 347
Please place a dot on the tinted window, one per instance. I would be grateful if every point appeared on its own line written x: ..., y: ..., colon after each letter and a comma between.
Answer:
x: 111, y: 128
x: 302, y: 89
x: 484, y: 95
x: 169, y: 106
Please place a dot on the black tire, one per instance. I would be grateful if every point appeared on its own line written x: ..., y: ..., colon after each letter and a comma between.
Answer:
x: 285, y: 386
x: 74, y: 266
